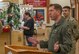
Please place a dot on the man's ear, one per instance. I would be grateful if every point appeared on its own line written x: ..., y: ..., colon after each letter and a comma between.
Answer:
x: 58, y: 11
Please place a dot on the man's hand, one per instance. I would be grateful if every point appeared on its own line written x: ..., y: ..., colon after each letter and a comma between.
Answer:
x: 24, y: 27
x: 33, y: 40
x: 56, y: 46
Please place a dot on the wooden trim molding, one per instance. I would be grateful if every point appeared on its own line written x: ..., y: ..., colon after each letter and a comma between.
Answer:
x: 48, y: 20
x: 78, y: 13
x: 73, y: 3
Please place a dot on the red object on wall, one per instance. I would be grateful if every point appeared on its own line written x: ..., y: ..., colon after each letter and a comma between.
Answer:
x: 36, y: 3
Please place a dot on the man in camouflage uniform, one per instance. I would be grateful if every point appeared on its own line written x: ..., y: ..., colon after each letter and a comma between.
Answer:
x: 60, y: 41
x: 73, y: 24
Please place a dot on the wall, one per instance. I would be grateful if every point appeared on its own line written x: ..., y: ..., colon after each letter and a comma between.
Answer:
x: 61, y: 2
x: 20, y: 1
x: 14, y: 1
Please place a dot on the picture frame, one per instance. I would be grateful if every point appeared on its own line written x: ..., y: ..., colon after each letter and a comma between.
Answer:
x: 40, y: 14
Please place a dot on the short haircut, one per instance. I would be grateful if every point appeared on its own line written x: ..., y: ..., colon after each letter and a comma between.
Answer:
x: 68, y: 7
x: 57, y: 7
x: 27, y: 13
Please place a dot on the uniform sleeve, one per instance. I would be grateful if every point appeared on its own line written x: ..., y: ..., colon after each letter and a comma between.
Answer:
x: 75, y: 29
x: 66, y: 46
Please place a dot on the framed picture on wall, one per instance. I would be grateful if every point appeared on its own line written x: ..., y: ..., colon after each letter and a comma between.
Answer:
x: 39, y: 14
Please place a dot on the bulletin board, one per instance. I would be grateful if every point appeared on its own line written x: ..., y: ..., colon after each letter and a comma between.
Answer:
x: 40, y: 14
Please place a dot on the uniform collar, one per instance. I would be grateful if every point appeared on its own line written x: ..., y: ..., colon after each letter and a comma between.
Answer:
x: 67, y: 18
x: 60, y: 22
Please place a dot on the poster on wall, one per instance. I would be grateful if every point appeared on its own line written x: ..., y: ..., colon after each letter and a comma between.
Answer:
x: 39, y: 14
x: 36, y: 3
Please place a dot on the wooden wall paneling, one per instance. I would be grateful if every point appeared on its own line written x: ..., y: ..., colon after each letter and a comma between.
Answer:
x: 78, y: 13
x: 48, y: 20
x: 4, y: 39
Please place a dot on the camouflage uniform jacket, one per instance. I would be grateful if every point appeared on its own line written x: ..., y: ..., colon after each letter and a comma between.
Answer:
x: 73, y: 24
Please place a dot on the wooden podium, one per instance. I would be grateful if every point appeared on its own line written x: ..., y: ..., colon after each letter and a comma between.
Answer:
x: 14, y: 37
x: 23, y: 50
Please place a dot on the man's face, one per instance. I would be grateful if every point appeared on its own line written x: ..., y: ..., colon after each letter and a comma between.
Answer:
x: 66, y: 12
x: 52, y: 13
